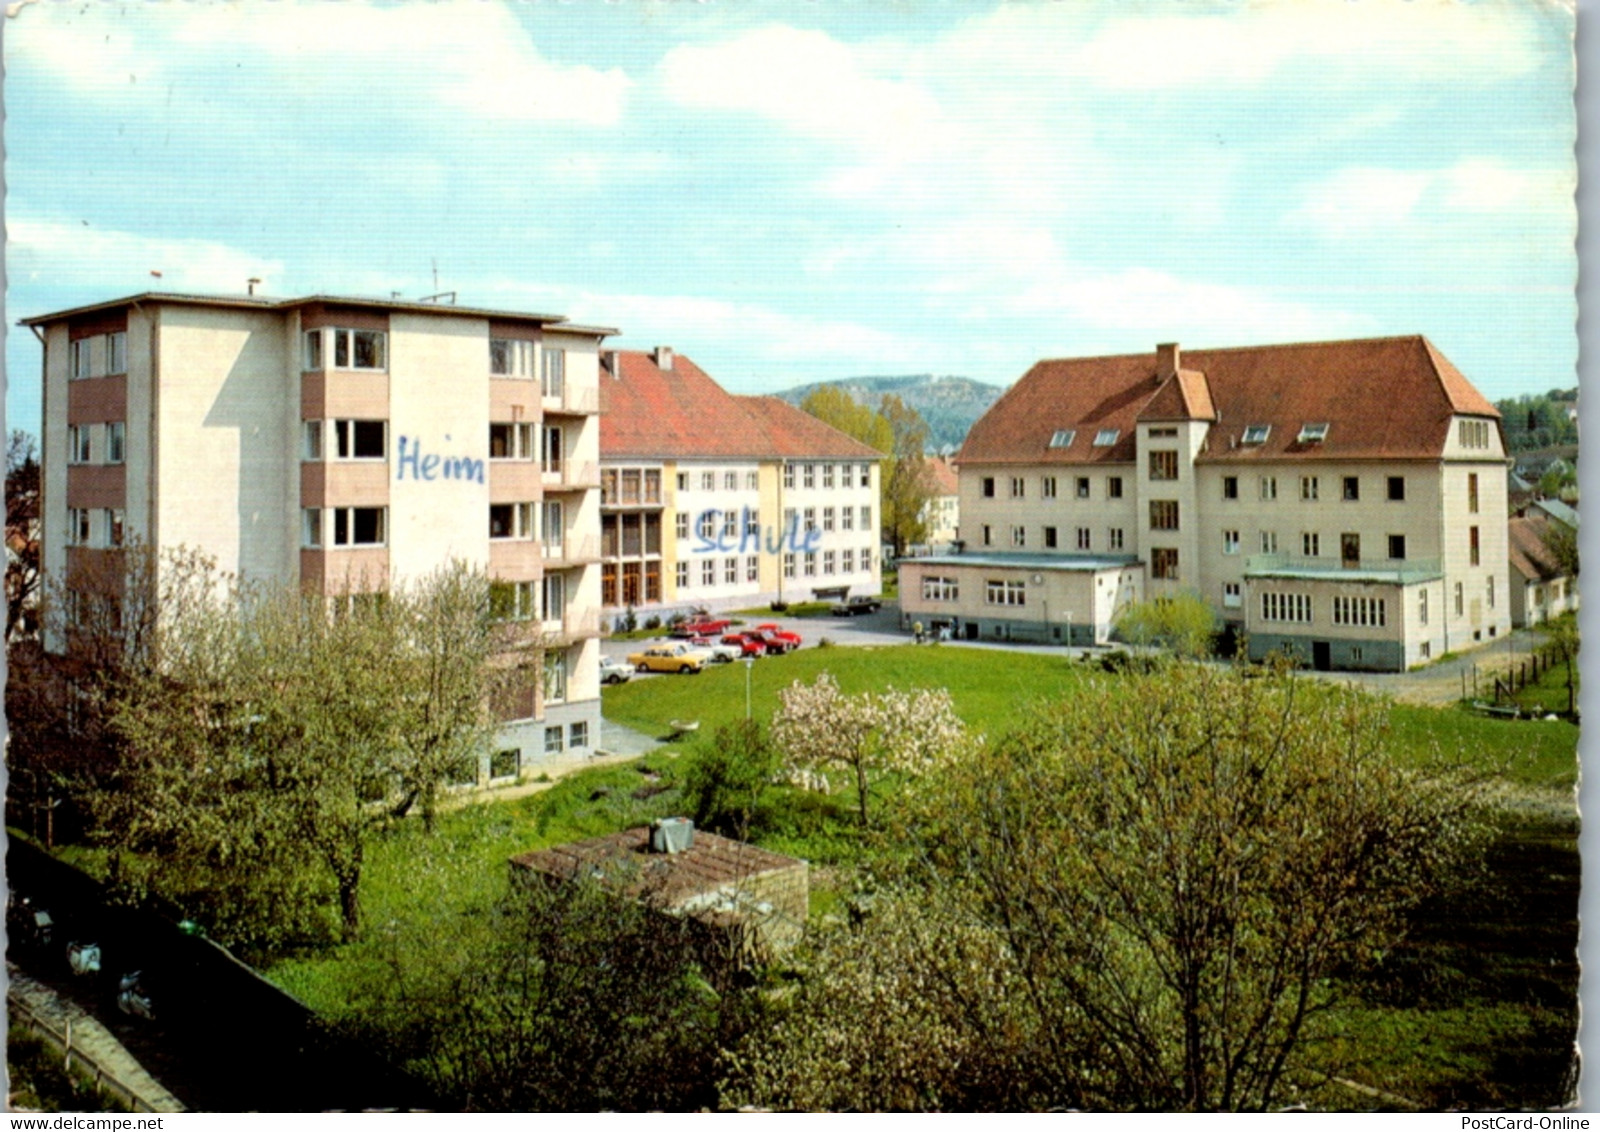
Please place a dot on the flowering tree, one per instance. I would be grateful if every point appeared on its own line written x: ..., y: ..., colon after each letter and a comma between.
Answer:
x: 819, y: 726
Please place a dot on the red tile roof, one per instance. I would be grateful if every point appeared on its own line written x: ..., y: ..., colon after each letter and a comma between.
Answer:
x: 1530, y: 557
x: 1382, y: 398
x: 647, y: 412
x: 944, y: 476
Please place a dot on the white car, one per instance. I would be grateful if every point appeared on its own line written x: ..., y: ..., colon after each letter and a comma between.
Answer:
x: 715, y: 652
x: 614, y: 670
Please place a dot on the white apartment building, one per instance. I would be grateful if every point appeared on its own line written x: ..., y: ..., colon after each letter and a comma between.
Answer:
x: 343, y: 444
x: 1344, y: 501
x: 715, y: 501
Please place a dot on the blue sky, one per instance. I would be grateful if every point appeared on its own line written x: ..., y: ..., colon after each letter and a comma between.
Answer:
x: 793, y: 192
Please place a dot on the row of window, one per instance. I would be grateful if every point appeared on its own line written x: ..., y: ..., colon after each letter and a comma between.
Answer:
x: 98, y: 355
x: 94, y: 526
x: 369, y: 440
x: 1051, y: 536
x: 521, y: 358
x: 808, y: 519
x: 1364, y: 612
x: 108, y: 442
x: 808, y: 562
x: 629, y: 487
x: 808, y: 475
x: 1048, y: 486
x: 349, y: 348
x: 368, y: 526
x: 640, y: 583
x: 1163, y: 466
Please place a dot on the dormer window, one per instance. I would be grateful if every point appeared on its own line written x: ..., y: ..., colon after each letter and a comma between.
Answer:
x: 1063, y: 438
x: 1258, y: 433
x: 1313, y: 432
x: 1106, y: 437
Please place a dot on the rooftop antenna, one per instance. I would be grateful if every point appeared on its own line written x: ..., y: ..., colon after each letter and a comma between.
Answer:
x: 436, y: 273
x: 252, y: 283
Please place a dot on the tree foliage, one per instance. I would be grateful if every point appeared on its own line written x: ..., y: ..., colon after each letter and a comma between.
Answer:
x: 1539, y: 420
x: 1178, y: 865
x: 818, y: 727
x: 910, y: 482
x: 22, y: 531
x: 726, y: 781
x: 1184, y: 622
x: 833, y: 406
x: 275, y: 737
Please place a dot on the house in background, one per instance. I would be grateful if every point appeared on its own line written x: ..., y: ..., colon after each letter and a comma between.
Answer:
x: 715, y: 501
x: 1343, y: 501
x: 942, y: 512
x: 1541, y: 587
x: 342, y: 444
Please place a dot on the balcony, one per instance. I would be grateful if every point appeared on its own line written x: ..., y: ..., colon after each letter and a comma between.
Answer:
x: 570, y: 475
x: 574, y: 625
x: 572, y: 551
x: 1395, y: 571
x: 570, y: 399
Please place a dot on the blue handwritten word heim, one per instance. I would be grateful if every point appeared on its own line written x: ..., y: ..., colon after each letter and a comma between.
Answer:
x: 711, y: 519
x: 431, y: 467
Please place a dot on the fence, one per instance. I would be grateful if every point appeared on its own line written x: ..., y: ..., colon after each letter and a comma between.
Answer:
x: 1503, y: 687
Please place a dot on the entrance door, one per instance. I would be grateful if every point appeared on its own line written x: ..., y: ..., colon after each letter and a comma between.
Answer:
x: 1321, y: 655
x: 972, y: 630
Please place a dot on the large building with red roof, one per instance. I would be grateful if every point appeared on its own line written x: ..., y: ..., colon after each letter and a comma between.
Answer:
x: 715, y: 501
x: 1341, y: 500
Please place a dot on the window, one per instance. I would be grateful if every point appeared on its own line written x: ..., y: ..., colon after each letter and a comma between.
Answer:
x: 1397, y: 546
x: 988, y: 535
x: 866, y: 558
x: 680, y: 576
x: 681, y: 525
x: 1472, y: 546
x: 752, y: 481
x: 988, y: 487
x: 811, y: 519
x: 1269, y: 487
x: 1269, y: 542
x: 940, y: 589
x: 730, y: 571
x: 1286, y: 607
x: 708, y: 481
x: 1081, y: 487
x: 1308, y: 489
x: 1422, y: 607
x: 1230, y: 487
x: 866, y: 518
x: 1397, y: 489
x: 1426, y: 650
x: 829, y: 562
x: 78, y: 526
x: 683, y: 481
x: 359, y: 349
x: 1164, y: 563
x: 1352, y: 489
x: 1231, y: 596
x: 752, y: 521
x: 1050, y: 538
x: 359, y: 526
x: 510, y: 520
x: 1256, y: 434
x: 1083, y: 538
x: 811, y: 564
x: 864, y: 475
x: 788, y: 475
x: 847, y: 561
x: 1018, y: 487
x: 1164, y: 430
x: 78, y: 444
x: 1310, y: 544
x: 847, y: 518
x: 1474, y: 434
x: 516, y: 442
x: 1062, y: 438
x: 360, y: 440
x: 1106, y: 437
x: 1489, y: 591
x: 113, y: 519
x: 511, y: 601
x: 706, y: 528
x: 1350, y: 549
x: 1114, y: 538
x: 511, y: 357
x: 1047, y: 487
x: 1019, y: 536
x: 505, y: 764
x: 80, y: 358
x: 752, y: 568
x: 1313, y: 432
x: 1164, y: 465
x: 730, y: 481
x: 578, y: 734
x: 1005, y: 593
x: 827, y: 518
x: 730, y: 524
x: 1114, y: 487
x: 1472, y: 493
x: 788, y: 564
x: 312, y: 352
x: 553, y: 737
x: 1366, y: 612
x: 1460, y: 599
x: 827, y: 475
x: 311, y: 527
x: 708, y: 572
x: 808, y: 475
x: 553, y: 375
x: 117, y: 352
x: 1163, y: 514
x: 789, y: 519
x: 1230, y: 542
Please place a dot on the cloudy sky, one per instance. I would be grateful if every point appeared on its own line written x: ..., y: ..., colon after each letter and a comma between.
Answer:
x: 792, y: 192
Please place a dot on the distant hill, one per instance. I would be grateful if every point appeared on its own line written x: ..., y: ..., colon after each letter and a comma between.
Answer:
x: 949, y: 404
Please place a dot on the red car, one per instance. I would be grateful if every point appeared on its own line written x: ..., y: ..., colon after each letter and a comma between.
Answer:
x: 749, y: 644
x: 772, y: 634
x: 702, y: 627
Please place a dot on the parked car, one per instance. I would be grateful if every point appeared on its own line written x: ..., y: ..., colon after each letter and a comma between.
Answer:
x: 749, y: 644
x: 715, y: 651
x: 678, y: 657
x: 857, y: 605
x: 701, y: 627
x: 781, y: 633
x: 614, y: 671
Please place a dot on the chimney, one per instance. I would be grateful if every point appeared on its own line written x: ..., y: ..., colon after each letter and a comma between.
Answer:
x: 663, y: 356
x: 1166, y: 360
x: 613, y: 363
x: 671, y: 835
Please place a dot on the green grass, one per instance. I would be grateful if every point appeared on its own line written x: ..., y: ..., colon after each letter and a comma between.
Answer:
x: 39, y: 1080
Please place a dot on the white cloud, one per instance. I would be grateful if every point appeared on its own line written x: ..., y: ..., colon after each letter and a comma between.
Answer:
x: 81, y: 45
x: 1369, y: 201
x: 68, y: 254
x: 1361, y: 201
x: 1165, y: 305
